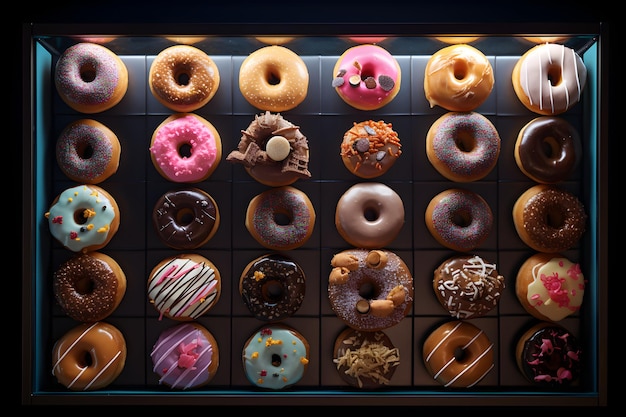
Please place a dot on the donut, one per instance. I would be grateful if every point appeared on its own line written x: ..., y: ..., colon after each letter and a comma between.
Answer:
x: 272, y: 286
x: 370, y: 290
x: 459, y: 219
x: 89, y: 357
x: 185, y: 148
x: 463, y: 146
x: 457, y: 39
x: 549, y: 79
x: 548, y: 356
x: 545, y: 39
x: 274, y: 40
x: 183, y: 78
x: 281, y: 218
x: 458, y: 78
x: 369, y: 215
x: 184, y: 287
x: 273, y: 151
x: 275, y: 357
x: 468, y: 286
x: 274, y: 78
x: 367, y: 77
x: 90, y: 78
x: 88, y: 152
x: 458, y: 354
x: 550, y: 287
x: 549, y: 219
x: 186, y: 40
x: 365, y: 360
x: 83, y: 218
x: 89, y: 286
x: 370, y: 148
x: 548, y: 149
x: 185, y: 356
x: 367, y: 39
x: 186, y: 218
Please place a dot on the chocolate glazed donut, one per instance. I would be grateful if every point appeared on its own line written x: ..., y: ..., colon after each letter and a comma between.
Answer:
x: 185, y: 219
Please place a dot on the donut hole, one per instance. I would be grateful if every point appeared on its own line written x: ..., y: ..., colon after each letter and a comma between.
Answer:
x: 272, y: 77
x: 551, y: 148
x: 88, y: 72
x: 84, y: 150
x: 272, y: 291
x: 276, y: 360
x: 465, y: 141
x: 460, y: 69
x: 554, y: 217
x: 462, y: 218
x: 184, y: 150
x: 459, y: 354
x: 555, y: 75
x: 282, y: 218
x: 84, y: 285
x: 185, y: 216
x: 368, y: 289
x: 81, y: 215
x: 85, y: 360
x: 182, y: 77
x: 371, y: 213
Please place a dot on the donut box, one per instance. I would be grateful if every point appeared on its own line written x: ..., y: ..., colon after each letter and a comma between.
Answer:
x: 323, y: 117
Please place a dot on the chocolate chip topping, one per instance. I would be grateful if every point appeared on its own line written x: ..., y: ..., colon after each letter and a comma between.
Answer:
x: 369, y: 130
x: 355, y: 80
x: 370, y: 83
x: 380, y: 155
x: 362, y: 145
x: 386, y: 82
x: 337, y: 82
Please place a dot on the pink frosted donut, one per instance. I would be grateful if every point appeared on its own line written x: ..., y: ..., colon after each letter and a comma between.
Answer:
x: 186, y: 148
x: 463, y: 146
x: 367, y: 77
x: 90, y: 78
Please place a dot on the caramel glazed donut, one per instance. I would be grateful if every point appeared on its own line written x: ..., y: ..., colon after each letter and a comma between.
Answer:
x: 89, y: 357
x: 370, y: 290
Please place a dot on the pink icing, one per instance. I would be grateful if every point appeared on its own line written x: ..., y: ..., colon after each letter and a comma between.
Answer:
x: 172, y: 136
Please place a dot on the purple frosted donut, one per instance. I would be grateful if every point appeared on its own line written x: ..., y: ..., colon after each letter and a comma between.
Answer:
x: 463, y: 147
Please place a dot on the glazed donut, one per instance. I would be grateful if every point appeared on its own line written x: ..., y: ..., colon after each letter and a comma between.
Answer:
x: 367, y: 77
x: 365, y: 360
x: 83, y: 218
x: 550, y: 287
x: 367, y: 39
x: 185, y: 356
x: 457, y: 39
x: 459, y: 219
x: 548, y: 149
x: 549, y: 79
x: 89, y: 357
x: 186, y: 40
x: 274, y: 78
x: 88, y: 152
x: 463, y: 146
x: 184, y: 287
x: 370, y: 290
x: 548, y: 355
x: 186, y: 148
x: 275, y: 357
x: 370, y: 148
x: 549, y: 219
x: 458, y: 78
x: 186, y: 218
x: 90, y: 78
x: 468, y: 286
x: 281, y: 218
x: 369, y: 215
x: 274, y: 40
x: 458, y: 354
x: 89, y: 286
x: 272, y: 287
x: 273, y: 151
x: 183, y: 78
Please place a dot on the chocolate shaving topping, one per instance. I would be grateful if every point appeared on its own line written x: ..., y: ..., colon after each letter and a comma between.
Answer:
x: 380, y: 155
x: 386, y: 82
x: 370, y: 83
x: 338, y: 82
x: 369, y: 130
x: 362, y: 145
x: 357, y: 65
x: 341, y: 73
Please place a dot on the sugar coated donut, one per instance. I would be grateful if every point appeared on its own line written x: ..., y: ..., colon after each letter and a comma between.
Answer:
x: 549, y: 79
x: 459, y: 219
x: 548, y: 149
x: 185, y: 356
x: 370, y: 290
x: 370, y: 148
x: 549, y: 219
x: 549, y: 356
x: 89, y: 286
x: 458, y: 78
x: 365, y: 360
x: 89, y: 357
x: 183, y: 78
x: 274, y: 78
x: 458, y: 354
x: 90, y: 78
x: 83, y: 218
x: 550, y: 287
x: 88, y: 152
x: 275, y: 357
x: 186, y: 218
x: 369, y: 215
x: 186, y: 148
x: 273, y: 151
x: 367, y: 77
x: 468, y: 286
x: 463, y: 146
x: 281, y: 218
x: 184, y: 287
x: 272, y: 287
